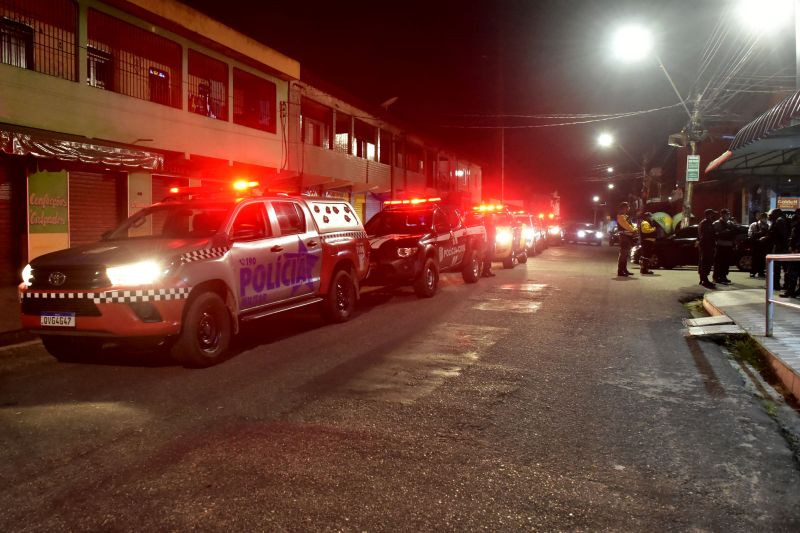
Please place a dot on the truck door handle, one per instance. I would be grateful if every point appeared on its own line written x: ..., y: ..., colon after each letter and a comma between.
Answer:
x: 276, y: 248
x: 311, y: 244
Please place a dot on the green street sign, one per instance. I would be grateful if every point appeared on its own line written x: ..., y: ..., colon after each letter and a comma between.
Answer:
x: 692, y: 168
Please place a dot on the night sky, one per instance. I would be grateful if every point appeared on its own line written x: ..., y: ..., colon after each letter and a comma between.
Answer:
x: 467, y: 63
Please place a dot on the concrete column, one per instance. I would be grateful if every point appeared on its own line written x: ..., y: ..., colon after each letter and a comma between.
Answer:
x: 377, y: 144
x: 230, y: 93
x: 351, y: 144
x: 185, y: 78
x: 83, y: 43
x: 333, y: 129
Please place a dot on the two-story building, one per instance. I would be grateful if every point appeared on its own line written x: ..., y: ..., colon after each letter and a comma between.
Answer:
x: 106, y: 105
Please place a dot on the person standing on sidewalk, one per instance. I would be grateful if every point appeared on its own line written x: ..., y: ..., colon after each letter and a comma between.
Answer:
x: 790, y: 289
x: 723, y: 246
x: 758, y: 233
x: 706, y: 242
x: 626, y: 234
x: 647, y: 234
x: 779, y: 242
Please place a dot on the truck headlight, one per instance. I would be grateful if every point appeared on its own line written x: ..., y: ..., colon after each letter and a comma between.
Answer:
x: 598, y: 234
x: 27, y: 275
x: 503, y: 237
x: 581, y: 234
x: 406, y: 252
x: 143, y: 273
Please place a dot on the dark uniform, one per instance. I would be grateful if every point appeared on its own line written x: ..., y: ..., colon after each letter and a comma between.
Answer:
x: 793, y: 267
x: 706, y: 242
x: 758, y: 233
x: 779, y: 241
x: 723, y: 247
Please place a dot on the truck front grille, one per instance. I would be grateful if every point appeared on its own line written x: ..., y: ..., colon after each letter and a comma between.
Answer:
x: 84, y: 277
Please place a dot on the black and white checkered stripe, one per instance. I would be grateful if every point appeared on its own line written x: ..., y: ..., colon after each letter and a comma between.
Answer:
x: 344, y: 235
x: 115, y: 297
x: 200, y: 255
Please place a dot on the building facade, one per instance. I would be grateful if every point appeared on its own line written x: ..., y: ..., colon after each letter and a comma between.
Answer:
x: 105, y: 105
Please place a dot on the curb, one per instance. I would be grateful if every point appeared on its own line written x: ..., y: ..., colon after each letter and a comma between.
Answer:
x: 787, y: 376
x: 17, y: 336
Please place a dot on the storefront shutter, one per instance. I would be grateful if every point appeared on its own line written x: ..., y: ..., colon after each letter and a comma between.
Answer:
x: 96, y: 205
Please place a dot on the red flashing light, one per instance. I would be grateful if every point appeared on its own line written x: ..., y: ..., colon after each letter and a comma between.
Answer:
x: 413, y: 201
x: 174, y: 190
x: 489, y: 207
x: 551, y: 216
x: 541, y: 216
x: 243, y: 185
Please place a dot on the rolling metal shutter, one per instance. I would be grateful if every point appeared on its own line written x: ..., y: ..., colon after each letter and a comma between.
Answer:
x: 96, y: 204
x: 7, y: 235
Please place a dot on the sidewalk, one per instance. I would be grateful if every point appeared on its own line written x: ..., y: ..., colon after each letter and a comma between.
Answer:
x: 10, y: 327
x: 747, y: 308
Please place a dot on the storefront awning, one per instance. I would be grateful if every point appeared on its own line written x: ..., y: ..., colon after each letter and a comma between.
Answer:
x: 19, y: 141
x: 768, y: 146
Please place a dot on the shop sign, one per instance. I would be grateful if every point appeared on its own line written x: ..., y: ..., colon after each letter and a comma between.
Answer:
x: 48, y: 213
x: 788, y: 203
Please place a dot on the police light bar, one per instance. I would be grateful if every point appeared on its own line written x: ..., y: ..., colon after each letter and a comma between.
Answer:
x: 243, y: 185
x: 489, y: 207
x: 413, y: 201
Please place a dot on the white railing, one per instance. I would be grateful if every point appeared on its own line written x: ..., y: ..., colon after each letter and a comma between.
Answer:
x: 771, y: 301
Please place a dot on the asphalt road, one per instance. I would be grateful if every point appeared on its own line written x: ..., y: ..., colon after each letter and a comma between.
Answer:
x: 551, y: 397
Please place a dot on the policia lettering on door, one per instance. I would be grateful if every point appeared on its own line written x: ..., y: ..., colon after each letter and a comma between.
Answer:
x: 287, y: 270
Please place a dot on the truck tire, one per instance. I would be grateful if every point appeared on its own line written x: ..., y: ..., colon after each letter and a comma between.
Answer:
x: 206, y: 332
x: 510, y: 262
x: 471, y: 270
x: 340, y: 302
x: 70, y: 349
x: 428, y: 280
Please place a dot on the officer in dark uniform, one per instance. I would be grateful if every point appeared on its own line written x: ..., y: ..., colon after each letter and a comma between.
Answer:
x: 626, y: 234
x: 790, y: 288
x: 647, y: 236
x: 723, y: 246
x: 706, y: 242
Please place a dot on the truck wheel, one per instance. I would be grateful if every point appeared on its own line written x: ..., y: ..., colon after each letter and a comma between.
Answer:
x: 510, y: 262
x: 340, y: 301
x: 471, y: 271
x: 70, y: 349
x: 428, y: 280
x: 523, y: 258
x: 206, y: 332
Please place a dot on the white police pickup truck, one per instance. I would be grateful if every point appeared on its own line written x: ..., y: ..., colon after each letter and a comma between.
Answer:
x: 187, y: 273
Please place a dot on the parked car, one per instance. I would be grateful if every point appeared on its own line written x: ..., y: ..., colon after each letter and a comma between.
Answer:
x: 533, y: 232
x: 583, y: 232
x: 413, y: 241
x: 185, y: 273
x: 509, y: 246
x: 680, y: 249
x: 555, y: 234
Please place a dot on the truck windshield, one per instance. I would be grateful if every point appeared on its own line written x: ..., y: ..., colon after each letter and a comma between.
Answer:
x: 402, y: 222
x: 172, y: 222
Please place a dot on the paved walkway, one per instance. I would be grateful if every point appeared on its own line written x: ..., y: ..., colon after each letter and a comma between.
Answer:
x: 747, y: 309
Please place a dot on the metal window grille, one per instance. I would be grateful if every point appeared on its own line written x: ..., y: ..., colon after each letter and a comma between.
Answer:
x: 39, y: 35
x: 208, y: 86
x: 132, y: 61
x: 254, y: 101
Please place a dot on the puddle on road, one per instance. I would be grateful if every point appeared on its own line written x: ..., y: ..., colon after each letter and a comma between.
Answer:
x: 513, y: 298
x: 417, y: 368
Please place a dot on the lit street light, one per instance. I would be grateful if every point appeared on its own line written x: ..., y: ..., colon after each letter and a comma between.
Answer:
x: 595, y: 199
x: 610, y: 185
x: 610, y: 170
x: 632, y: 43
x: 605, y: 140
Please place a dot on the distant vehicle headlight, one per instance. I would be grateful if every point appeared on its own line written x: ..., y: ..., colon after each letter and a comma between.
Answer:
x: 406, y: 252
x: 503, y: 237
x: 581, y: 234
x: 142, y: 273
x: 554, y: 230
x: 598, y: 234
x: 27, y: 275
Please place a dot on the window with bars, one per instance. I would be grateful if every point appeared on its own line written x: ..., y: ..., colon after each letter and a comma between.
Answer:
x: 39, y: 35
x: 132, y: 61
x: 315, y: 123
x: 208, y: 86
x: 341, y: 138
x: 254, y: 101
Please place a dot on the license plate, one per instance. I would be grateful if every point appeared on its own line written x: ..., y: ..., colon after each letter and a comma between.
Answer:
x: 60, y: 320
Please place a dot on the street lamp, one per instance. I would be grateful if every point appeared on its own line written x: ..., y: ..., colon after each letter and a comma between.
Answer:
x: 610, y: 185
x: 610, y: 170
x: 605, y: 140
x: 595, y: 200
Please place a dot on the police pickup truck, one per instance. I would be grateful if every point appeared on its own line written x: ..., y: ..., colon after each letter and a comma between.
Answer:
x: 413, y: 240
x: 187, y: 272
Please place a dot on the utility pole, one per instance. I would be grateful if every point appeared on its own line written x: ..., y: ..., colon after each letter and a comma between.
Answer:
x: 502, y: 164
x: 694, y: 137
